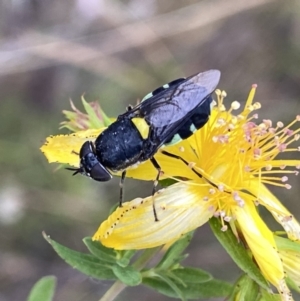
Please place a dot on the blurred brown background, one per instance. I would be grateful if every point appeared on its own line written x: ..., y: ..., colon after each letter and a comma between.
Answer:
x: 118, y: 51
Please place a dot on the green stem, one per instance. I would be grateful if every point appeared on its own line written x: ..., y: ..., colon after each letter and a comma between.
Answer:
x: 119, y: 286
x: 146, y: 256
x: 113, y: 291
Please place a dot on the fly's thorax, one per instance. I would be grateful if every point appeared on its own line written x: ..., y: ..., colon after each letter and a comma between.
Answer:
x: 121, y: 144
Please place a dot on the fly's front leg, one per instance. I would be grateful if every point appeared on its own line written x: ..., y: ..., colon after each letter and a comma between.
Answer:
x: 122, y: 188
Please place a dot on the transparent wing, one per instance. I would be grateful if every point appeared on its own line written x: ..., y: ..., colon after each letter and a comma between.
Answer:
x: 175, y: 103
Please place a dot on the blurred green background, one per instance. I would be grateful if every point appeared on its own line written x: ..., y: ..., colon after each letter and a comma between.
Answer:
x: 116, y: 52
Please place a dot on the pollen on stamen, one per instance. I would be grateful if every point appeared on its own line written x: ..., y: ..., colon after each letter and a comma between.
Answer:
x: 288, y: 186
x: 235, y: 105
x: 289, y: 132
x: 297, y: 136
x: 272, y: 130
x: 222, y: 108
x: 250, y: 108
x: 257, y: 153
x: 224, y: 228
x: 212, y: 191
x: 282, y: 147
x: 238, y: 199
x: 267, y: 122
x: 230, y: 127
x: 181, y: 149
x: 222, y: 213
x: 284, y: 179
x: 257, y: 105
x: 268, y: 167
x: 282, y: 167
x: 224, y: 94
x: 218, y: 92
x: 221, y: 187
x: 227, y: 218
x: 221, y: 121
x: 240, y: 117
x: 280, y: 124
x: 241, y: 203
x: 298, y: 166
x: 205, y: 199
x: 215, y: 139
x: 247, y: 168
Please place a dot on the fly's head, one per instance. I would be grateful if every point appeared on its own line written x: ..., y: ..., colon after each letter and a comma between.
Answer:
x: 90, y: 165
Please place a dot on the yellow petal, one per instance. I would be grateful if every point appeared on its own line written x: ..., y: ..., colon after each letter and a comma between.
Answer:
x: 291, y: 264
x: 261, y: 242
x: 63, y: 148
x: 179, y: 207
x: 279, y: 212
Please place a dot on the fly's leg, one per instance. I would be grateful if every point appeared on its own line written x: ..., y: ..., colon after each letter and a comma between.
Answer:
x: 122, y: 188
x: 180, y: 158
x: 187, y: 163
x: 158, y: 168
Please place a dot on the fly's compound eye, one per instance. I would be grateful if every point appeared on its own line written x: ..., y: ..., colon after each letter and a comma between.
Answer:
x: 99, y: 173
x: 90, y: 165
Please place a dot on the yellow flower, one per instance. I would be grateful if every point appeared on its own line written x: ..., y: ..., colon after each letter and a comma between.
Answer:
x: 228, y: 162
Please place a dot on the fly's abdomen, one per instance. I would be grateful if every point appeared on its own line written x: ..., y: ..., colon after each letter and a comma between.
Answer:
x: 194, y: 123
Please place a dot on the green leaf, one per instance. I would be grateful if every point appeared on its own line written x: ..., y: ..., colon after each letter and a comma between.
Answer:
x: 126, y: 257
x: 167, y: 182
x: 237, y: 253
x: 245, y: 289
x: 286, y: 244
x: 99, y: 251
x: 43, y: 290
x: 266, y: 296
x: 172, y: 285
x: 210, y: 289
x: 192, y: 275
x: 173, y: 254
x: 85, y: 263
x: 96, y: 123
x: 127, y: 275
x: 291, y: 284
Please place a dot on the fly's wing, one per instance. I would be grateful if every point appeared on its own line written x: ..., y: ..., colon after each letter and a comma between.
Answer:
x: 168, y: 110
x: 159, y: 135
x: 170, y: 106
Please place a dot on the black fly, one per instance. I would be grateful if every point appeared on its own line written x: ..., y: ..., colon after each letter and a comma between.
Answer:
x: 164, y: 117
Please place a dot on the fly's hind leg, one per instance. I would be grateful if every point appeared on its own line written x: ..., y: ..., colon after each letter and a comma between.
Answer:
x: 158, y: 168
x: 187, y: 163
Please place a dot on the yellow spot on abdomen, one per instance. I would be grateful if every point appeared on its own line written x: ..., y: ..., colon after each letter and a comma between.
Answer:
x: 141, y: 126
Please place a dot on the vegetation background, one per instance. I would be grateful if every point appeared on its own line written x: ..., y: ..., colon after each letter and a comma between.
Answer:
x: 116, y: 52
